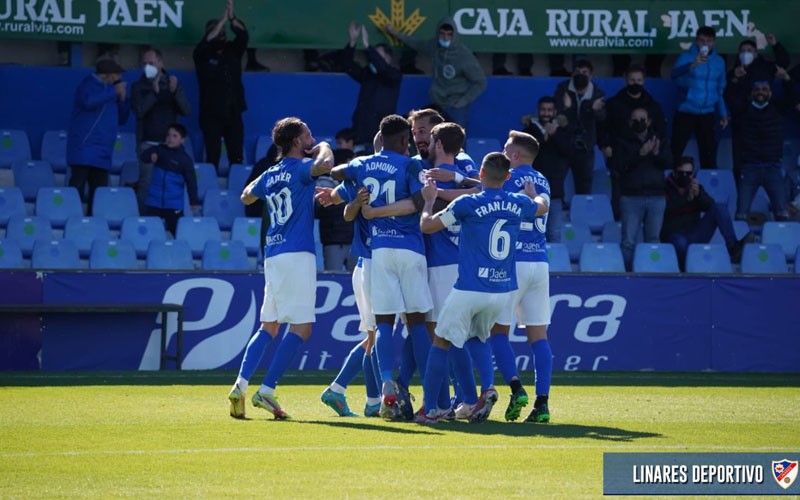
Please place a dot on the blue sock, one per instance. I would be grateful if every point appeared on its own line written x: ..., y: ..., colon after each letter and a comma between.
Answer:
x: 462, y: 365
x: 283, y: 358
x: 385, y: 351
x: 543, y: 364
x: 444, y: 391
x: 408, y: 362
x: 504, y: 356
x: 481, y: 353
x: 422, y: 346
x: 353, y: 364
x: 373, y: 391
x: 253, y: 353
x: 376, y: 371
x: 436, y: 372
x: 458, y: 393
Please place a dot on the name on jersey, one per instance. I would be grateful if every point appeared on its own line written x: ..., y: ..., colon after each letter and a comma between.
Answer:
x: 498, y: 206
x: 382, y: 166
x: 541, y: 181
x: 281, y: 177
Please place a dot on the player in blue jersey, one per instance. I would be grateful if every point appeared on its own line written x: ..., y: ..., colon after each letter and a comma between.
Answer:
x: 398, y: 251
x: 490, y: 224
x: 530, y: 304
x: 422, y: 123
x: 290, y: 271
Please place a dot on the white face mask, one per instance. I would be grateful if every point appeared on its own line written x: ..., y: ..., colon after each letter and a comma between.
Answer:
x: 150, y: 71
x: 444, y: 43
x: 746, y: 58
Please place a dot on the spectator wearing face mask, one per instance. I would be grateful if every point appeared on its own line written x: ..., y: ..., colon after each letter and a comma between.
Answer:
x: 157, y: 99
x: 692, y: 216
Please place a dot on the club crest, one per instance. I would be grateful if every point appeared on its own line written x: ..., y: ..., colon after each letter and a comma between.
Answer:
x: 784, y: 471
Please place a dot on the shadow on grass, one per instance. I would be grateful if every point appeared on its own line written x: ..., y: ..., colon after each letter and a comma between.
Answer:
x: 362, y: 425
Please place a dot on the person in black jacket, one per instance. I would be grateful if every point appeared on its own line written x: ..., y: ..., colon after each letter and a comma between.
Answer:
x: 683, y: 222
x: 173, y: 173
x: 335, y: 233
x: 640, y: 158
x: 380, y: 86
x: 218, y: 64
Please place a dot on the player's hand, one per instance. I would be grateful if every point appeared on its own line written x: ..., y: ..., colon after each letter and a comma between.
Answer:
x: 530, y: 189
x: 323, y: 195
x: 441, y: 174
x: 608, y: 151
x: 656, y: 146
x: 782, y: 74
x: 647, y: 147
x: 526, y: 120
x: 567, y: 100
x: 429, y: 191
x: 153, y: 157
x: 121, y: 89
x: 700, y: 59
x: 364, y: 36
x: 173, y: 83
x: 392, y: 30
x: 362, y: 197
x: 352, y: 31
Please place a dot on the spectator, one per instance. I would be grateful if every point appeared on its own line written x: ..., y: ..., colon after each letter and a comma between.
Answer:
x: 380, y: 86
x: 760, y: 136
x: 618, y: 113
x: 584, y: 105
x: 686, y: 200
x: 173, y: 173
x: 157, y: 99
x: 700, y: 76
x: 640, y: 158
x: 552, y: 160
x: 335, y: 233
x: 346, y: 144
x: 458, y: 78
x: 100, y: 107
x: 218, y: 64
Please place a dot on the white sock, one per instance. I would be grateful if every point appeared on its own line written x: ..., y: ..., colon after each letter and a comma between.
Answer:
x: 338, y: 389
x: 266, y: 390
x: 242, y: 383
x: 373, y: 401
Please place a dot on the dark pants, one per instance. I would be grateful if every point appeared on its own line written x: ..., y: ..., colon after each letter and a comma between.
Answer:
x: 703, y: 127
x: 169, y: 215
x: 582, y: 164
x: 231, y: 129
x: 80, y: 175
x: 769, y: 175
x: 716, y: 217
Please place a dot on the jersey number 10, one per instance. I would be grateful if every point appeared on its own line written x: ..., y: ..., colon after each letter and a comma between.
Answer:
x: 280, y: 206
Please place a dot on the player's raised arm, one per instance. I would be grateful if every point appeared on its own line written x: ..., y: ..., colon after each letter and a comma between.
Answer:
x: 430, y: 222
x: 542, y: 201
x: 405, y: 206
x: 323, y: 159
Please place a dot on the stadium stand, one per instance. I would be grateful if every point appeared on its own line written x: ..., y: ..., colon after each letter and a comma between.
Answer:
x: 601, y: 258
x: 574, y: 235
x: 31, y: 175
x: 12, y: 204
x: 708, y: 258
x: 720, y: 185
x: 10, y: 255
x: 785, y: 234
x: 224, y: 206
x: 478, y: 147
x: 140, y: 231
x: 114, y: 204
x: 124, y: 150
x: 196, y: 231
x: 84, y: 230
x: 592, y: 209
x: 112, y: 254
x: 129, y: 174
x: 54, y: 149
x: 740, y: 227
x: 248, y: 231
x: 262, y: 146
x: 55, y: 254
x: 57, y: 204
x: 169, y: 255
x: 14, y: 146
x: 760, y: 258
x: 558, y: 255
x: 26, y: 230
x: 206, y: 178
x: 237, y: 177
x: 225, y: 256
x: 601, y: 182
x: 655, y: 258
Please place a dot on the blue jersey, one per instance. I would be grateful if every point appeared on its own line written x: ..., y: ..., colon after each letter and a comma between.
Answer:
x: 441, y: 248
x: 390, y: 177
x: 361, y: 239
x: 532, y: 245
x: 463, y: 161
x: 490, y: 226
x: 288, y: 190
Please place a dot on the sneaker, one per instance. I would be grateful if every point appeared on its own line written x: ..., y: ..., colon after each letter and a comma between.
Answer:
x: 269, y: 403
x: 337, y: 402
x: 372, y: 410
x: 389, y: 400
x: 450, y: 416
x: 540, y: 415
x: 430, y: 418
x: 484, y: 407
x: 464, y: 411
x: 404, y: 399
x: 236, y: 397
x: 519, y: 400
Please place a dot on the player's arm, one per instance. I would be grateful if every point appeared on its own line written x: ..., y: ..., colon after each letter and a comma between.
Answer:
x: 323, y: 159
x: 405, y: 206
x: 247, y: 197
x: 542, y: 201
x: 430, y: 222
x: 326, y: 196
x: 360, y: 202
x: 449, y: 195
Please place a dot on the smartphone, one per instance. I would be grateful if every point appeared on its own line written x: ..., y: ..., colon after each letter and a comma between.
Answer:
x: 704, y: 50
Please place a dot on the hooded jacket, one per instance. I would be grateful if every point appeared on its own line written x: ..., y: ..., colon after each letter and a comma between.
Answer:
x: 173, y: 173
x: 681, y: 214
x: 700, y: 88
x: 457, y: 74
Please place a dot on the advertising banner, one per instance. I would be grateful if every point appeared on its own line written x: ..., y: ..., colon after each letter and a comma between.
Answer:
x: 547, y: 26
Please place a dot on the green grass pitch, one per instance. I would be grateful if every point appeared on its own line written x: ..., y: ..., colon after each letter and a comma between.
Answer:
x: 168, y: 435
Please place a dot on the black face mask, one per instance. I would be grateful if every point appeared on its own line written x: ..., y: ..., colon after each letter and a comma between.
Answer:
x: 634, y: 89
x: 683, y: 180
x: 639, y: 126
x: 580, y: 81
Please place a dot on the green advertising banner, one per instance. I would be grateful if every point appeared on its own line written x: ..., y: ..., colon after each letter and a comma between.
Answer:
x: 541, y: 26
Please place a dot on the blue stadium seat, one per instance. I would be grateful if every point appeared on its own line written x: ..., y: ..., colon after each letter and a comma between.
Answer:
x: 740, y: 228
x: 114, y: 204
x: 797, y: 261
x: 206, y: 178
x: 761, y: 203
x: 169, y: 255
x: 601, y: 258
x: 720, y: 185
x: 14, y: 145
x: 709, y: 258
x: 558, y: 255
x: 55, y: 254
x: 11, y: 204
x: 140, y: 231
x: 262, y: 146
x: 612, y: 232
x: 785, y: 234
x: 759, y: 258
x: 574, y: 235
x: 248, y: 231
x: 478, y: 147
x: 26, y: 230
x: 591, y: 209
x: 224, y: 206
x: 655, y: 258
x: 124, y: 150
x: 112, y: 254
x: 10, y: 255
x: 196, y: 231
x: 599, y: 161
x: 225, y: 256
x: 54, y: 149
x: 84, y: 230
x: 31, y: 175
x: 569, y: 186
x: 57, y: 204
x: 725, y: 153
x: 129, y: 174
x: 237, y: 177
x: 601, y: 182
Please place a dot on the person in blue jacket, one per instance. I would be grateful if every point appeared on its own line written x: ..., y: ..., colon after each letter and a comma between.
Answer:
x: 173, y: 173
x: 699, y: 74
x: 99, y: 109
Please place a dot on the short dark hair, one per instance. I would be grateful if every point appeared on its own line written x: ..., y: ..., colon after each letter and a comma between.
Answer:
x: 392, y: 128
x: 548, y: 99
x: 446, y: 27
x: 585, y: 63
x: 525, y: 141
x: 284, y: 132
x: 180, y: 129
x: 684, y: 160
x: 433, y: 116
x: 346, y: 134
x: 748, y: 42
x: 451, y: 135
x: 635, y: 68
x: 706, y: 31
x: 155, y: 51
x: 495, y: 167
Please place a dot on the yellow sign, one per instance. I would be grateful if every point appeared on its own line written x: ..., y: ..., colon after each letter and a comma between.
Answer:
x: 406, y: 25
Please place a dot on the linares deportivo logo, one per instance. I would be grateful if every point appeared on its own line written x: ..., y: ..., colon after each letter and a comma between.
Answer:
x: 405, y: 25
x: 784, y: 471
